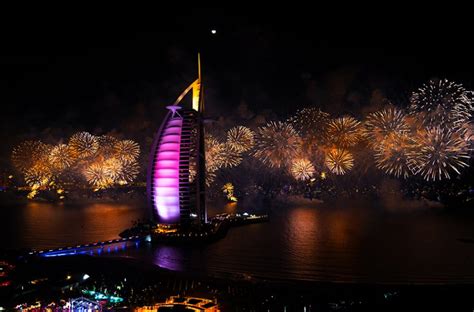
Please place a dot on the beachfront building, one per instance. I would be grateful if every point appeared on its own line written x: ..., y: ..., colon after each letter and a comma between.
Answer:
x: 176, y: 170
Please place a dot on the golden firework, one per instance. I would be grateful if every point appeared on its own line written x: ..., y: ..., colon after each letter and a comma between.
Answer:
x: 83, y: 145
x: 127, y: 150
x: 393, y: 154
x: 339, y: 161
x: 277, y: 143
x: 128, y: 173
x: 210, y: 177
x: 386, y: 122
x: 344, y: 131
x: 240, y: 139
x: 231, y: 158
x: 441, y: 151
x: 106, y: 145
x: 215, y: 153
x: 27, y: 153
x: 302, y: 169
x: 60, y: 157
x: 311, y: 124
x: 38, y: 176
x: 98, y: 176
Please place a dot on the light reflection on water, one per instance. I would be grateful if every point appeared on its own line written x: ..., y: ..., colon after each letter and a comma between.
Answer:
x: 169, y: 258
x: 46, y: 225
x: 343, y: 241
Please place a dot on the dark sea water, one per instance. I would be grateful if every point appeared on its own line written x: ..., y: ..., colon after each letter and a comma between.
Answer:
x: 344, y: 241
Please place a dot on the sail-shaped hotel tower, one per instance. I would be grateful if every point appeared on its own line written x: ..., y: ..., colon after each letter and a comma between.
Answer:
x: 176, y: 169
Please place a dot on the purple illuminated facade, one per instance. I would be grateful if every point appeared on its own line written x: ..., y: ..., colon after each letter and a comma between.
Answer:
x: 166, y: 171
x: 176, y: 172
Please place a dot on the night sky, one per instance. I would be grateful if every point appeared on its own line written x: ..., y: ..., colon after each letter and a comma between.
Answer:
x: 116, y: 72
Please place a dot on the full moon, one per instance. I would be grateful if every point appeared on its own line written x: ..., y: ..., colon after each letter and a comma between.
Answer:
x: 213, y: 31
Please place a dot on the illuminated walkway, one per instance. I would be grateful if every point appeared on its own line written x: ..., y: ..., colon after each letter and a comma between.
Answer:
x: 91, y: 248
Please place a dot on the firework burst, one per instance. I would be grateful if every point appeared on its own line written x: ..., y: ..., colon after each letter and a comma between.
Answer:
x: 127, y: 150
x: 231, y: 158
x: 107, y: 145
x: 60, y: 157
x: 193, y: 171
x: 27, y: 153
x: 442, y: 103
x: 228, y: 188
x: 311, y: 124
x: 113, y: 167
x: 441, y: 151
x: 210, y: 177
x: 215, y: 153
x: 98, y: 176
x: 381, y: 124
x: 344, y: 131
x: 339, y: 161
x: 302, y: 169
x: 215, y: 159
x: 83, y: 145
x: 38, y: 176
x: 128, y: 172
x: 94, y: 158
x: 193, y: 155
x: 467, y: 132
x: 277, y: 143
x: 393, y: 154
x: 240, y: 139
